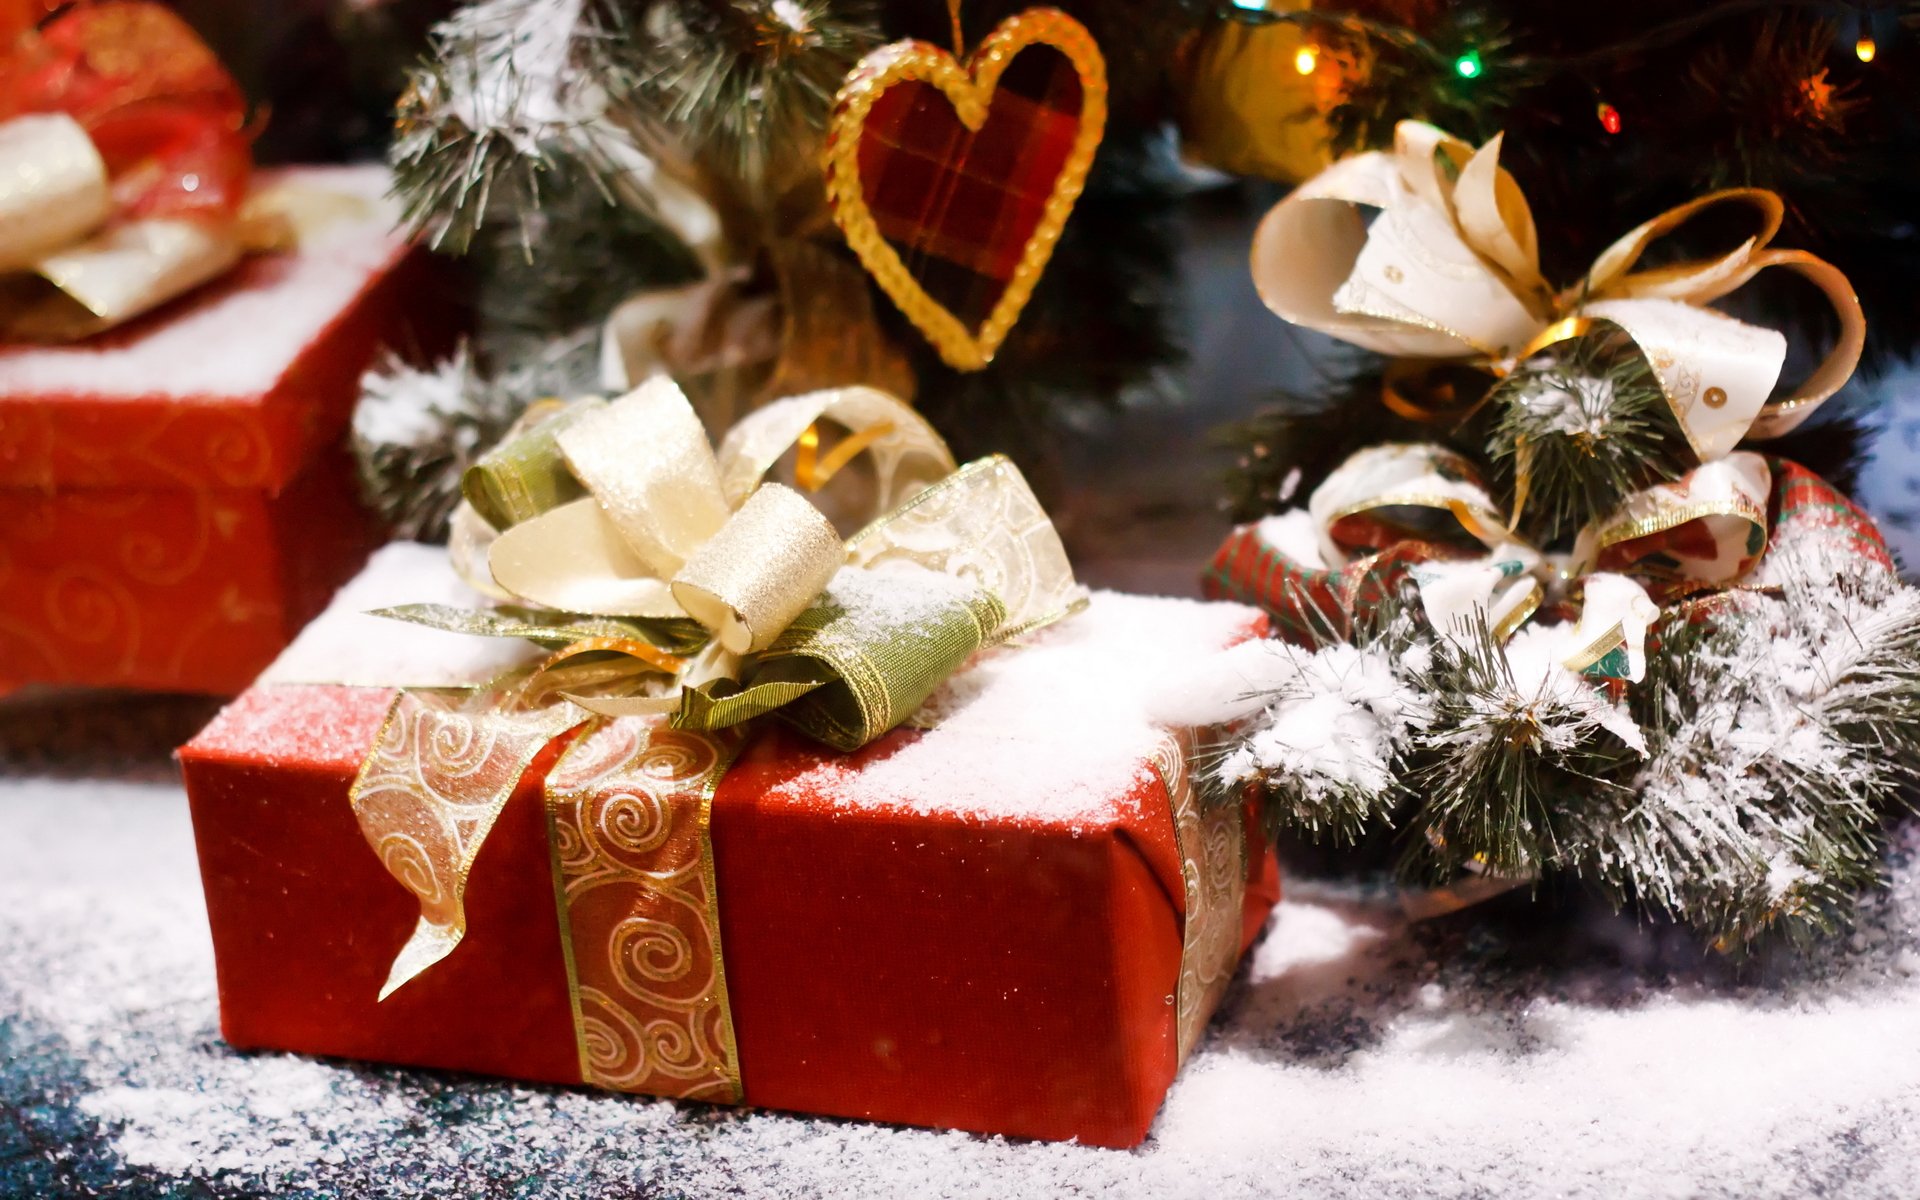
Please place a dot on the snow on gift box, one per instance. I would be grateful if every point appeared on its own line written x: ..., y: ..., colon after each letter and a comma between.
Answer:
x: 173, y: 506
x: 1567, y: 627
x: 994, y: 904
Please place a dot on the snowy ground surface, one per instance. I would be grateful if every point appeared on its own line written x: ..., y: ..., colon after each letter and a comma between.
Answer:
x: 1566, y: 1053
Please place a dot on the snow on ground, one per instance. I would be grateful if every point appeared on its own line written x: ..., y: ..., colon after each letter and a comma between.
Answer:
x: 1568, y: 1053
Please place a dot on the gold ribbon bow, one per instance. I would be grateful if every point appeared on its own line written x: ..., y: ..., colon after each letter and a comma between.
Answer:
x: 666, y: 531
x: 637, y: 543
x: 1450, y: 269
x: 1701, y: 532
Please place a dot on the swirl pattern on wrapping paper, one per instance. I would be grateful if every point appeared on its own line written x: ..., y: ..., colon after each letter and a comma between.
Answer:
x: 626, y: 810
x: 1213, y: 868
x: 231, y: 616
x: 240, y: 455
x: 162, y: 559
x: 87, y: 607
x: 27, y: 439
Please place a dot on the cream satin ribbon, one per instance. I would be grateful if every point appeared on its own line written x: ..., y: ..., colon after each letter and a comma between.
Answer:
x: 54, y: 201
x: 53, y: 188
x: 72, y: 273
x: 671, y: 528
x: 1450, y: 269
x: 1398, y: 483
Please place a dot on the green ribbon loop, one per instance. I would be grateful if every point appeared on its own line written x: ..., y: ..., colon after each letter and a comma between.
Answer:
x: 887, y: 641
x: 860, y: 661
x: 526, y: 475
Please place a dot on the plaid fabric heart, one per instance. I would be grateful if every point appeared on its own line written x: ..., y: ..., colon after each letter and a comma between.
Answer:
x: 952, y: 182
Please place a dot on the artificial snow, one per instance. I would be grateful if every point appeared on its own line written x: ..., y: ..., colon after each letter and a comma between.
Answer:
x: 349, y: 646
x: 1295, y: 534
x: 1577, y: 406
x: 1543, y: 687
x: 1330, y: 718
x: 1053, y: 729
x: 407, y: 406
x: 1356, y: 1057
x: 235, y: 339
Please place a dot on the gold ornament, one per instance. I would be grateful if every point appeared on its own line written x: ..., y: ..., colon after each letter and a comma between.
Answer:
x: 1255, y: 98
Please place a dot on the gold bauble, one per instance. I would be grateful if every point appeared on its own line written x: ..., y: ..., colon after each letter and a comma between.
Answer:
x: 1249, y: 108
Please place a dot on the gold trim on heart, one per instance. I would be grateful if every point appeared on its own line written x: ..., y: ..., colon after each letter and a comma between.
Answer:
x: 970, y: 89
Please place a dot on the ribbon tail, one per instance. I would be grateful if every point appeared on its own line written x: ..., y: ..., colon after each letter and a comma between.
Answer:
x: 1610, y: 639
x: 721, y: 705
x: 429, y: 944
x: 441, y: 771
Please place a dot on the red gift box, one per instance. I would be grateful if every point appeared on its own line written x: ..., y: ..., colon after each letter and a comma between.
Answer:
x: 996, y: 948
x: 175, y: 497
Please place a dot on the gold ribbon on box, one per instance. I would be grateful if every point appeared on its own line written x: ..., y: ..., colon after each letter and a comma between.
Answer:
x: 1449, y: 270
x: 684, y: 595
x: 1214, y: 853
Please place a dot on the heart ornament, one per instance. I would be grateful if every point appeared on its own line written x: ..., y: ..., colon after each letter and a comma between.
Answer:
x: 953, y: 181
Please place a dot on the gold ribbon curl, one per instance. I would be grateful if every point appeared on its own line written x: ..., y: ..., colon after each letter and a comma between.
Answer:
x: 1449, y: 271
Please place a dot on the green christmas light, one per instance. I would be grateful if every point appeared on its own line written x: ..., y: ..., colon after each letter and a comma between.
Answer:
x: 1467, y: 66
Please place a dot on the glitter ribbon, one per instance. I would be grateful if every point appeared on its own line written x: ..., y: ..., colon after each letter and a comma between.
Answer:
x: 644, y: 554
x: 1450, y: 270
x: 623, y: 512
